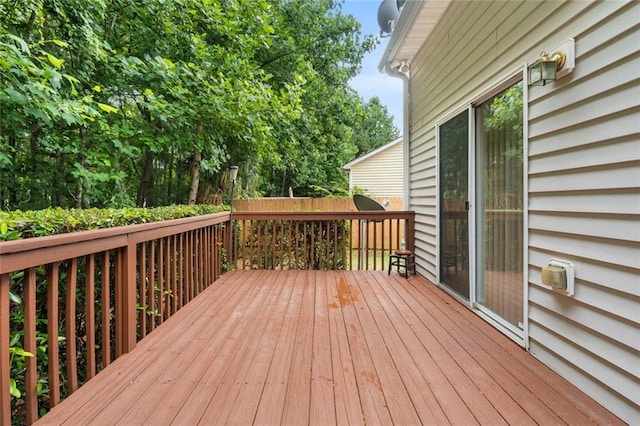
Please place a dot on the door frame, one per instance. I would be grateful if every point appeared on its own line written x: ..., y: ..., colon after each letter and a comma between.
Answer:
x: 520, y: 336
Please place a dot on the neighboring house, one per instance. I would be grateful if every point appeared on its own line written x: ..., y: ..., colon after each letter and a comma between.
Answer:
x: 504, y: 177
x: 380, y: 172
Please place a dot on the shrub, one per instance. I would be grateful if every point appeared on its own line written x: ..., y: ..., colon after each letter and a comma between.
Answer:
x: 16, y: 225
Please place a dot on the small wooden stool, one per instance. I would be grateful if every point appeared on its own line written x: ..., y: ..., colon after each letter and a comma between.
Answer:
x: 402, y: 258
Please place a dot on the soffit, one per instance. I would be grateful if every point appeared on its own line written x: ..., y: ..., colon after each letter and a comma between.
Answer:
x: 415, y: 24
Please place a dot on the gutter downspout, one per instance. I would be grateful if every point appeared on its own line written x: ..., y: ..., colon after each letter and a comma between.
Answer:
x: 395, y: 71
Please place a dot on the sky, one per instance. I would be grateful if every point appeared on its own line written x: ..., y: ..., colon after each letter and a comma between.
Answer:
x: 371, y: 82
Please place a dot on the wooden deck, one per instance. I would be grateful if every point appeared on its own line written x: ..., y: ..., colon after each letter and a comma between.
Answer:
x: 334, y: 347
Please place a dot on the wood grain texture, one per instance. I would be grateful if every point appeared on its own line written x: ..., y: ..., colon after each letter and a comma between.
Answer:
x: 333, y: 347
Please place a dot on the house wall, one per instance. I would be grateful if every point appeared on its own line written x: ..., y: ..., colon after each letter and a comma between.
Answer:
x: 583, y: 172
x: 380, y: 174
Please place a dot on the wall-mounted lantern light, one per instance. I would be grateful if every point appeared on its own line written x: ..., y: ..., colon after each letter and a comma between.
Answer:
x: 550, y: 67
x: 544, y: 70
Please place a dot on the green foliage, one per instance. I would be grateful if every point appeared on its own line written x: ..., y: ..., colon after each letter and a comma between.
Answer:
x: 111, y: 104
x: 316, y: 245
x: 16, y: 225
x: 375, y: 129
x: 504, y: 112
x: 37, y: 223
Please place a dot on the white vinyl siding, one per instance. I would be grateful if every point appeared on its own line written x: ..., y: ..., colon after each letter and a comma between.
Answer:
x: 380, y: 174
x: 584, y: 205
x: 583, y: 172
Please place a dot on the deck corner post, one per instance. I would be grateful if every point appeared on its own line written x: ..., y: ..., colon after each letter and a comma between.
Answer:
x: 410, y: 232
x: 128, y: 298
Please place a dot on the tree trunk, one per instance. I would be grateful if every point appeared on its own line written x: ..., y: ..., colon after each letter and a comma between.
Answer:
x: 195, y: 177
x: 80, y: 188
x: 79, y: 196
x: 147, y: 178
x: 170, y: 198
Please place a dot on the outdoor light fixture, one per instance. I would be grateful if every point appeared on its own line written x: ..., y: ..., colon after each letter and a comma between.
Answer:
x: 544, y: 70
x: 233, y: 172
x: 550, y: 67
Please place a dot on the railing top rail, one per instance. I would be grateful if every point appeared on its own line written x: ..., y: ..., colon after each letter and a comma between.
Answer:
x: 369, y: 215
x: 19, y: 254
x: 80, y: 236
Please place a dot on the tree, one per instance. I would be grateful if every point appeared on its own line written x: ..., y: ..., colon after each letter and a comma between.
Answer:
x: 113, y: 102
x: 375, y: 129
x: 315, y: 42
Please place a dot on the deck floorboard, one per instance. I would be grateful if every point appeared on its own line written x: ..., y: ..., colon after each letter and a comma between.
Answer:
x: 330, y: 347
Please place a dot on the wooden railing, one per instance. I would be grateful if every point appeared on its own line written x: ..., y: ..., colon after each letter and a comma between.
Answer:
x: 97, y: 293
x: 337, y: 240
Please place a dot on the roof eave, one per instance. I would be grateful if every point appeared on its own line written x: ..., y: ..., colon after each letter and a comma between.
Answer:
x: 418, y: 19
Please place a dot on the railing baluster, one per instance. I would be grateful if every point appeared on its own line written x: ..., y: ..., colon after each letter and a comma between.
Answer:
x: 375, y: 244
x: 200, y: 261
x: 90, y: 315
x: 322, y: 255
x: 338, y: 245
x: 360, y: 242
x: 278, y: 230
x: 273, y: 242
x: 105, y: 294
x: 161, y: 281
x: 206, y: 257
x: 143, y: 289
x: 118, y: 303
x: 183, y: 293
x: 346, y: 236
x: 188, y: 263
x: 5, y: 336
x: 196, y: 262
x: 168, y: 279
x: 185, y: 268
x: 152, y: 285
x: 318, y: 245
x: 250, y: 234
x: 343, y: 229
x: 298, y: 245
x: 174, y: 275
x: 70, y: 330
x: 31, y: 378
x: 193, y: 273
x: 217, y: 259
x: 259, y: 254
x: 52, y: 335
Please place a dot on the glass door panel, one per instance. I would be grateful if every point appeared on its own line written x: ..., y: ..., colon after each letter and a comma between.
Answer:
x: 454, y: 196
x: 499, y: 153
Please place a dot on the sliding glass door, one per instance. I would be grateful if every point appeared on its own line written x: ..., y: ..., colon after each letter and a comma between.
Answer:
x: 454, y: 195
x: 492, y: 197
x: 499, y: 205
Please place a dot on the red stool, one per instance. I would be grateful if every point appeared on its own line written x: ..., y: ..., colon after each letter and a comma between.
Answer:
x: 402, y: 259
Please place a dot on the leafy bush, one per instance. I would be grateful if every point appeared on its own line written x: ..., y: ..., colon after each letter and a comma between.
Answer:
x: 16, y: 225
x: 281, y: 244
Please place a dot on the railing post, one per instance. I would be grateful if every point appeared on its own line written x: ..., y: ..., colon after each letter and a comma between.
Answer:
x: 126, y: 321
x: 410, y: 233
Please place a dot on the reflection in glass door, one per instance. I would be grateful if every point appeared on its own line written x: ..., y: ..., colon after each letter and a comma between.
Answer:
x: 453, y: 142
x: 499, y: 151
